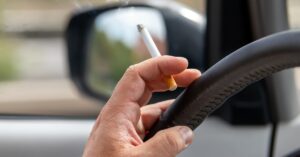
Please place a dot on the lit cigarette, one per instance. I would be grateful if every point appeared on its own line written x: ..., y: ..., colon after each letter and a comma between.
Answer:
x: 155, y: 53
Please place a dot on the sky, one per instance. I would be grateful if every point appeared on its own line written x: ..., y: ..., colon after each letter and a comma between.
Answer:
x: 121, y: 24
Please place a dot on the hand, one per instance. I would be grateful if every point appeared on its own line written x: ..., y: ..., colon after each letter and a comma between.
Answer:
x: 124, y: 120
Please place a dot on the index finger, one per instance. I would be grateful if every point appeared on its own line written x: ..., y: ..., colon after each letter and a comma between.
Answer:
x: 137, y: 84
x: 147, y: 76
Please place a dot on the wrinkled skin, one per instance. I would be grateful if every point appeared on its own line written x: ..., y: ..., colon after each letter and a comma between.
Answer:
x: 121, y: 126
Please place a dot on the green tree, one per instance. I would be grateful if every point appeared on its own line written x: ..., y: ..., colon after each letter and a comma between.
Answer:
x: 7, y: 66
x: 108, y: 59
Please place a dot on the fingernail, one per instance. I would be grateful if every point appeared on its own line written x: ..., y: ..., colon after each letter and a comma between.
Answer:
x: 196, y: 71
x: 181, y: 58
x: 187, y: 135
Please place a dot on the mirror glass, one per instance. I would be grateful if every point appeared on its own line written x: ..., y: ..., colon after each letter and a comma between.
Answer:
x: 115, y: 44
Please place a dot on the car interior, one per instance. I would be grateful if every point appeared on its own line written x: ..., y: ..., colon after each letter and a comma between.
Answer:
x: 60, y: 61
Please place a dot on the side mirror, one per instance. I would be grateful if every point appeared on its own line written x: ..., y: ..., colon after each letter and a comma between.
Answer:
x: 103, y: 42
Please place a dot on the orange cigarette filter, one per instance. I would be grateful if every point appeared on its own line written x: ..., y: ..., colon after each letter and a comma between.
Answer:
x: 170, y: 81
x: 154, y: 52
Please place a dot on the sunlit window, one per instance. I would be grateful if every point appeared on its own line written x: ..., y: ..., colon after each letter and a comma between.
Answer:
x: 33, y: 63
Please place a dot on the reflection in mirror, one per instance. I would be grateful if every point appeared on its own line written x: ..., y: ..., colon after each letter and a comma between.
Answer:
x: 116, y: 44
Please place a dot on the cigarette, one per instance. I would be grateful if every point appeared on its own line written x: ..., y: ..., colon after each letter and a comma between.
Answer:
x: 154, y: 52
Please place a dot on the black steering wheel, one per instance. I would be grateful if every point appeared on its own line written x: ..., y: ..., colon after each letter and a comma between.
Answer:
x: 241, y: 68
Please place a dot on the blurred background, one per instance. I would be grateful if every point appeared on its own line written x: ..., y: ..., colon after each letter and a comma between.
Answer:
x: 33, y: 65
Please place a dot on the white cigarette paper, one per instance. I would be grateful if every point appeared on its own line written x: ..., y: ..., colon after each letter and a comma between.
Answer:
x: 154, y: 52
x: 148, y: 41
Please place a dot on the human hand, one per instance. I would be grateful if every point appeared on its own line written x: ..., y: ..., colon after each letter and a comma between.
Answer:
x: 123, y: 122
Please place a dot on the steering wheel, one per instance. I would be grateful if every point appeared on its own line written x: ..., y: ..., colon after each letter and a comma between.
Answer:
x: 241, y: 68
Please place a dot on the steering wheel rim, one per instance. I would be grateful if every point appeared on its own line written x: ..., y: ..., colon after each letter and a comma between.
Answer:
x: 230, y: 75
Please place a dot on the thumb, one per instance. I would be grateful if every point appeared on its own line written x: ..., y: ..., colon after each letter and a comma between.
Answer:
x: 168, y: 142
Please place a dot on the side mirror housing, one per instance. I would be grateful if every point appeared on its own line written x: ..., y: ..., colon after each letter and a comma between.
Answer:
x: 102, y: 42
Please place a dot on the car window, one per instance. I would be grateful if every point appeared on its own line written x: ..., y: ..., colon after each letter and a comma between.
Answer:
x: 294, y: 22
x: 33, y: 64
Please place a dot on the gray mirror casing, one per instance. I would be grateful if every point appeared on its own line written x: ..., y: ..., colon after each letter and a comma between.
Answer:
x: 185, y: 37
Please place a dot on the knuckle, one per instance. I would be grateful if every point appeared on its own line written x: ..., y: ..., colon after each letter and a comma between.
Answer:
x: 171, y: 145
x: 171, y: 140
x: 132, y: 69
